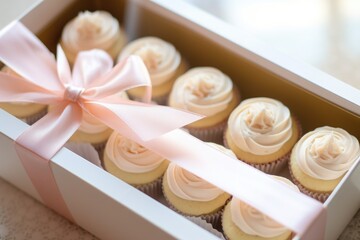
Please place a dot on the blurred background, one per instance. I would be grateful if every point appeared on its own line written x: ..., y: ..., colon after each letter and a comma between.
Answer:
x: 323, y: 33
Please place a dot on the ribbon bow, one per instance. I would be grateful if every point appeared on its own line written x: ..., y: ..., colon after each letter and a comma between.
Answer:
x: 92, y: 87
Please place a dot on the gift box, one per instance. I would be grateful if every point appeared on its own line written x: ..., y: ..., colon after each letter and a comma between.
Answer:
x: 108, y: 207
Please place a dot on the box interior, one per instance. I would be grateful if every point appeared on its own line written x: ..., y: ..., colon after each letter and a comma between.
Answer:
x: 199, y: 50
x: 251, y: 79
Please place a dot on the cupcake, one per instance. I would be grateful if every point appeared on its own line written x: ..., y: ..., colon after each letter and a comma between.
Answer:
x: 262, y: 132
x: 241, y: 221
x: 134, y: 164
x: 321, y: 158
x: 27, y: 112
x: 190, y: 195
x: 209, y: 92
x: 91, y: 30
x: 163, y: 62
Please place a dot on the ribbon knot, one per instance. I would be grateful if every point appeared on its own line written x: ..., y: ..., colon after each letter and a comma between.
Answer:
x: 72, y: 93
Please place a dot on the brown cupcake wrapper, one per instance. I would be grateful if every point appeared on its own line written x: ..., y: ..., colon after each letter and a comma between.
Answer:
x: 152, y: 189
x: 320, y: 196
x: 271, y: 167
x: 212, y: 218
x: 207, y: 226
x: 100, y: 148
x: 210, y: 134
x: 160, y: 100
x: 35, y: 117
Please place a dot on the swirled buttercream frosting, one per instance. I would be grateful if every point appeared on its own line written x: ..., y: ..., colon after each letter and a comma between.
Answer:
x: 188, y: 186
x: 160, y: 57
x: 260, y: 126
x: 326, y: 153
x: 90, y: 30
x: 253, y: 222
x: 130, y: 156
x: 203, y: 90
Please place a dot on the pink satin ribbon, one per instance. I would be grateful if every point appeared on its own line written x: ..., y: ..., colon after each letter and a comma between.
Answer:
x: 91, y: 88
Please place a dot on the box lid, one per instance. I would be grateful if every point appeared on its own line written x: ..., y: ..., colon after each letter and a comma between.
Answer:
x: 14, y: 10
x: 297, y: 72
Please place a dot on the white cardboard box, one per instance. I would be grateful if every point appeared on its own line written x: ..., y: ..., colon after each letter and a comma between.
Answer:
x: 111, y: 209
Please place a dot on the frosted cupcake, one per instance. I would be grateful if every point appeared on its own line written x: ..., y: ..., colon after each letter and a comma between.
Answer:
x: 91, y: 30
x: 163, y: 62
x: 241, y: 221
x: 321, y: 158
x: 134, y: 164
x: 28, y: 112
x: 262, y: 132
x: 209, y: 92
x: 192, y: 196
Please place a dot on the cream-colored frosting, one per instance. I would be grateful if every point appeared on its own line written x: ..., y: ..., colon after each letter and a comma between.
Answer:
x: 326, y: 153
x: 253, y: 222
x: 90, y: 30
x: 203, y: 90
x: 130, y: 156
x: 11, y: 72
x: 260, y: 126
x: 188, y: 186
x: 160, y: 57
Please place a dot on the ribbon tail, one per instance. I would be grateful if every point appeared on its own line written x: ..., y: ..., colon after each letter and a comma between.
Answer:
x: 291, y: 209
x: 39, y: 143
x: 28, y: 92
x: 137, y: 120
x: 48, y: 135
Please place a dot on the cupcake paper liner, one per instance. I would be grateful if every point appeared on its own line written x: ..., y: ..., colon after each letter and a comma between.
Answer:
x: 207, y: 226
x: 100, y: 148
x: 35, y: 117
x: 320, y: 196
x: 160, y: 100
x: 210, y: 134
x: 272, y: 167
x: 212, y: 218
x: 152, y: 189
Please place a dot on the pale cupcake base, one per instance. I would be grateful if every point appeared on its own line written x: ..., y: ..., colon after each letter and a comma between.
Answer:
x: 315, y: 188
x: 273, y: 167
x: 149, y: 182
x: 232, y: 232
x: 273, y: 163
x: 210, y: 211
